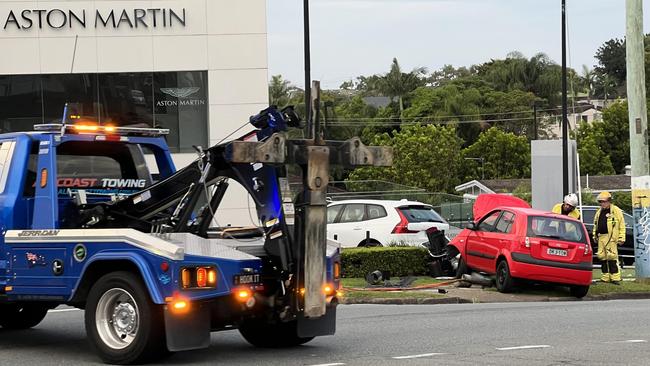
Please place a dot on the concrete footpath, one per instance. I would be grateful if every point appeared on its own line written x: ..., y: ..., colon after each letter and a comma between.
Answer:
x: 476, y: 294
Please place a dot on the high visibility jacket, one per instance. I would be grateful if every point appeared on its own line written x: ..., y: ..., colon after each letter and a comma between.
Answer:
x: 558, y: 210
x: 615, y: 224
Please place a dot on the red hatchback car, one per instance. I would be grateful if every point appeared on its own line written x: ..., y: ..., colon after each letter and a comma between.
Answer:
x: 513, y: 241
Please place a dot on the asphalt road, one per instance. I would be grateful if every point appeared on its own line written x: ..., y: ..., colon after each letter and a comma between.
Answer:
x: 557, y: 333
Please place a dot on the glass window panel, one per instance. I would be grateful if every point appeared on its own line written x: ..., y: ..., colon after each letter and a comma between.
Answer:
x: 352, y: 213
x: 488, y: 223
x: 78, y: 90
x: 126, y: 99
x: 181, y: 105
x: 20, y: 102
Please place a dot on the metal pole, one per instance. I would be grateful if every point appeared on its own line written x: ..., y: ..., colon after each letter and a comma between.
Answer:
x: 565, y: 129
x: 315, y: 92
x: 535, y: 120
x: 637, y: 109
x: 307, y: 70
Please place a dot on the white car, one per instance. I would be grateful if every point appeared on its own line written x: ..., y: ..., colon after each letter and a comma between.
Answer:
x: 386, y: 222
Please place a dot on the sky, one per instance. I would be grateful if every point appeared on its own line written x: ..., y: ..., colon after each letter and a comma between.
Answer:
x: 360, y: 37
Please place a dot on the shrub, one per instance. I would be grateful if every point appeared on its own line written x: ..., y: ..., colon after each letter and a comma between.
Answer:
x: 399, y: 261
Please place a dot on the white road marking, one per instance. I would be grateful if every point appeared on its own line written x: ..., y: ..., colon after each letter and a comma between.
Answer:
x: 63, y: 310
x: 329, y: 364
x: 417, y: 356
x: 523, y: 347
x: 630, y: 341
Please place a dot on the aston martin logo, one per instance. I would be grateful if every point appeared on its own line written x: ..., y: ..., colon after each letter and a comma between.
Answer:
x: 180, y: 92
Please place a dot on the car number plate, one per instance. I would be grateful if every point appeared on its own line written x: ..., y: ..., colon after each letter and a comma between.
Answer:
x: 247, y: 279
x: 558, y: 252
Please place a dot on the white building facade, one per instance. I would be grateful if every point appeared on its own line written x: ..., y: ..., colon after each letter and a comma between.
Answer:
x: 197, y: 67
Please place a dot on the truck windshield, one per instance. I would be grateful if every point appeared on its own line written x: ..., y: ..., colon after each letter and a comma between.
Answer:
x: 97, y: 167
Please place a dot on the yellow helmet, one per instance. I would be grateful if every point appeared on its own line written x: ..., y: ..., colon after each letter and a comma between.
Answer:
x: 604, y: 196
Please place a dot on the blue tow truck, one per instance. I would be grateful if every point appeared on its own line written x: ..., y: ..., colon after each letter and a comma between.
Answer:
x: 85, y: 223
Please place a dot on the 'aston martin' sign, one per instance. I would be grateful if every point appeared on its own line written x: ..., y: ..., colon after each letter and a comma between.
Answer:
x: 116, y: 18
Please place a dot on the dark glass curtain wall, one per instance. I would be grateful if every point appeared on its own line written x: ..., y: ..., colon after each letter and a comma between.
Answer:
x: 174, y: 100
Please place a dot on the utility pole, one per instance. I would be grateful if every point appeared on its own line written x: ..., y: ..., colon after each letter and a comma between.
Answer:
x: 565, y: 129
x: 636, y: 96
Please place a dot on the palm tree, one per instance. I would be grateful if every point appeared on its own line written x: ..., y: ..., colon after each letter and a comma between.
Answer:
x: 588, y: 78
x: 397, y: 84
x: 280, y: 91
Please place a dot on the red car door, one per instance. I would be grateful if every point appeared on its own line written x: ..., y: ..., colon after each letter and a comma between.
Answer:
x: 502, y: 238
x: 481, y: 251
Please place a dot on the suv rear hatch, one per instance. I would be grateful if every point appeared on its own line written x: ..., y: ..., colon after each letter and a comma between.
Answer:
x: 420, y: 218
x: 557, y: 239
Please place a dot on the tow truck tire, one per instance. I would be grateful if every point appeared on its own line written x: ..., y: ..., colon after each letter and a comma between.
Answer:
x: 122, y: 323
x: 266, y: 335
x: 21, y: 316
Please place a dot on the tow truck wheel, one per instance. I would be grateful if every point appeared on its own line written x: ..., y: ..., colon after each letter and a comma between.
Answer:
x: 279, y: 335
x: 21, y: 316
x: 121, y: 321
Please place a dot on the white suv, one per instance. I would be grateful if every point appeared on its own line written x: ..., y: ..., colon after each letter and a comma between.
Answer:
x: 386, y: 222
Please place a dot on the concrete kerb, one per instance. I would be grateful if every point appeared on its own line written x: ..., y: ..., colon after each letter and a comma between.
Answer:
x: 512, y: 298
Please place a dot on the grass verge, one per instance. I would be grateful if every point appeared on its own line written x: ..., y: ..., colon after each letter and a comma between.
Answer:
x: 391, y: 295
x: 361, y: 282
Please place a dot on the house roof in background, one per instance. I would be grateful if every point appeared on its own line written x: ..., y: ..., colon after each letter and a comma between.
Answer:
x: 595, y: 183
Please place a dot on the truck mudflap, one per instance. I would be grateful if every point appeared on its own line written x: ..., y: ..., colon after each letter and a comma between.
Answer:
x: 314, y: 327
x: 188, y: 330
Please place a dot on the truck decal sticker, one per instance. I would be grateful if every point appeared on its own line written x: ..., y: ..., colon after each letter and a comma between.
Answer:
x: 124, y: 183
x: 80, y: 252
x: 97, y: 183
x: 35, y: 260
x: 38, y: 233
x: 164, y: 279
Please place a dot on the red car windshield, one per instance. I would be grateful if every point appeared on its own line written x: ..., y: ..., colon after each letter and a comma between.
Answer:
x: 555, y: 228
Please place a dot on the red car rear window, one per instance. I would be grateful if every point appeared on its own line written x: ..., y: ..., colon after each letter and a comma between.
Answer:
x: 555, y: 228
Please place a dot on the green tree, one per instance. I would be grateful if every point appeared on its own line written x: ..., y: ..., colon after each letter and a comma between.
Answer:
x: 397, y: 84
x: 538, y: 75
x: 616, y: 135
x: 280, y: 91
x: 611, y: 68
x: 593, y: 160
x: 424, y: 156
x: 504, y: 155
x: 588, y: 80
x: 349, y: 118
x: 604, y: 147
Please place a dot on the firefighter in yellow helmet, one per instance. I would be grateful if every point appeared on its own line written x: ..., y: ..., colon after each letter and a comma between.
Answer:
x: 609, y: 233
x: 568, y: 206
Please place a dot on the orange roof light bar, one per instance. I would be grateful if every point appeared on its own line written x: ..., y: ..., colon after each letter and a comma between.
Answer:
x: 85, y: 127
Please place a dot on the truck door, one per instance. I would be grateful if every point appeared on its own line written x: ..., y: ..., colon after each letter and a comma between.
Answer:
x: 38, y: 262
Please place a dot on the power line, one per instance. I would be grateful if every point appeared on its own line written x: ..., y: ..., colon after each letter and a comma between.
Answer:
x: 482, y: 115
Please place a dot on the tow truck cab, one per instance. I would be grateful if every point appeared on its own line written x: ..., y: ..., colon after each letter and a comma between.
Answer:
x: 143, y: 292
